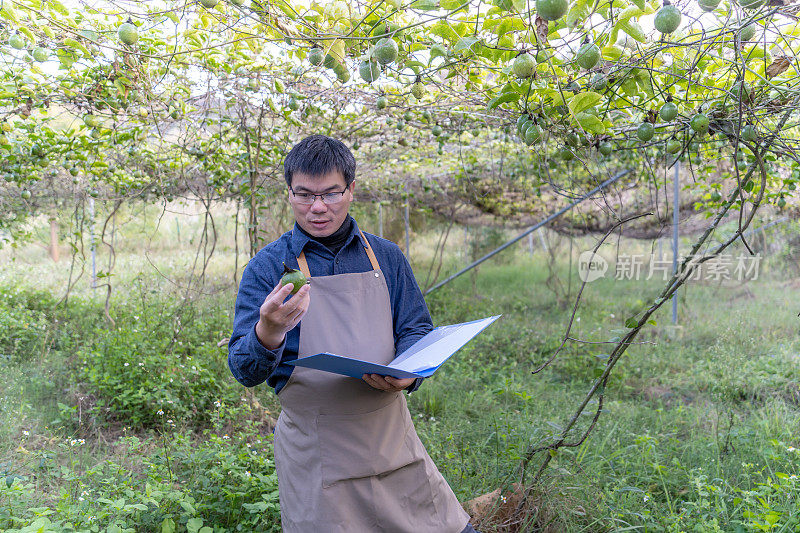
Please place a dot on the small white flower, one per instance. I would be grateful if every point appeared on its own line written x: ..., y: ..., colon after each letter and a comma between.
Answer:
x: 80, y: 498
x: 169, y: 421
x: 126, y: 364
x: 160, y: 412
x: 26, y: 433
x: 217, y: 404
x: 790, y: 449
x: 141, y: 364
x: 247, y: 473
x: 225, y: 437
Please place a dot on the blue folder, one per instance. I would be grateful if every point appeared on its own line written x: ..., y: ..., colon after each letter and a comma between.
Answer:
x: 420, y: 360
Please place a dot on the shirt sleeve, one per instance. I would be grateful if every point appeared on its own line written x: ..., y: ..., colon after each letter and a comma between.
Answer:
x: 250, y: 362
x: 412, y: 320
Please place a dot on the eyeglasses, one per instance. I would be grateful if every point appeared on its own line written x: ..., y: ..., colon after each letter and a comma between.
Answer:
x: 307, y: 198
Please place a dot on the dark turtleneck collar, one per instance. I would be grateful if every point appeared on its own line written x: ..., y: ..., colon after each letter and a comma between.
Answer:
x: 335, y: 240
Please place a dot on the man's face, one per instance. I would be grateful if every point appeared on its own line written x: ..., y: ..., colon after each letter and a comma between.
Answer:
x: 320, y: 219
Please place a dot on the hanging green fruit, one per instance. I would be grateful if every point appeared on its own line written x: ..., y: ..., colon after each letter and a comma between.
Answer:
x: 645, y: 131
x: 385, y: 51
x: 316, y: 56
x: 667, y: 19
x: 674, y: 146
x: 699, y: 123
x: 17, y: 42
x: 588, y: 55
x: 605, y: 149
x: 380, y: 102
x: 418, y: 90
x: 551, y: 9
x: 708, y: 5
x: 749, y: 133
x: 128, y: 33
x: 668, y: 112
x: 369, y: 71
x: 523, y: 66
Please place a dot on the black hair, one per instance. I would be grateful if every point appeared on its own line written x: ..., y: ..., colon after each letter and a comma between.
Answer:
x: 317, y: 155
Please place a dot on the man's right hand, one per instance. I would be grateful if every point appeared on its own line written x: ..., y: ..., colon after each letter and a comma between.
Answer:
x: 277, y: 317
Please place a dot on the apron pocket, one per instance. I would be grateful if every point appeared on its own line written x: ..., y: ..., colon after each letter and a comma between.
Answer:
x: 363, y: 445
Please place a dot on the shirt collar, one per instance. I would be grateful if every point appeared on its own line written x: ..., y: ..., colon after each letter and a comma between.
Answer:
x: 300, y: 240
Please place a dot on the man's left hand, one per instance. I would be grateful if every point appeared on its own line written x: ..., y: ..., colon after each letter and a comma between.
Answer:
x: 387, y: 383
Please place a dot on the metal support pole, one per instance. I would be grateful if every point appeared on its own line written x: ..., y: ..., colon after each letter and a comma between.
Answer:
x: 380, y: 220
x: 541, y: 239
x: 94, y: 253
x: 530, y: 244
x: 528, y: 231
x: 675, y: 210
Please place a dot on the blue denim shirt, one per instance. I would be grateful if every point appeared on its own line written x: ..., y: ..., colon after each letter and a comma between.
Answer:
x: 251, y: 363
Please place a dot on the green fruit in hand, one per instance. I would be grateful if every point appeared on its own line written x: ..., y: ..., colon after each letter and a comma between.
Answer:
x: 749, y: 133
x: 667, y: 19
x: 699, y: 123
x: 316, y: 56
x: 708, y: 5
x: 369, y: 71
x: 668, y: 112
x: 209, y: 4
x: 551, y: 9
x: 674, y: 146
x: 418, y: 90
x: 128, y: 33
x: 380, y: 102
x: 295, y: 277
x: 645, y: 131
x: 436, y: 130
x: 747, y: 32
x: 385, y: 51
x: 17, y: 42
x: 40, y: 54
x: 588, y: 55
x: 605, y: 149
x: 524, y: 66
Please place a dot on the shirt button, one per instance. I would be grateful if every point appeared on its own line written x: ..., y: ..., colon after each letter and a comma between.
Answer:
x: 376, y: 274
x: 337, y: 260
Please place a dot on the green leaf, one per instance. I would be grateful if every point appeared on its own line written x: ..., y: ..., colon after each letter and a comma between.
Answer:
x: 633, y: 29
x: 445, y: 31
x: 639, y: 3
x: 465, y: 43
x: 438, y: 50
x: 583, y: 101
x: 58, y: 6
x: 590, y: 123
x: 503, y: 99
x: 425, y: 5
x: 168, y: 526
x: 194, y: 525
x: 631, y: 323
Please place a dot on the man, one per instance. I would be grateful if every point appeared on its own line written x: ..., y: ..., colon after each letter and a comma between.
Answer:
x: 347, y: 455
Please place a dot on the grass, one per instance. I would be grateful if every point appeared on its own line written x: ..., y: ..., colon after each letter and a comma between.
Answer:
x: 700, y: 428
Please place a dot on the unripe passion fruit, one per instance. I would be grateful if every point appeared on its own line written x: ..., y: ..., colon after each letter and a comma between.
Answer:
x: 369, y: 71
x: 380, y: 102
x: 708, y: 5
x: 551, y: 9
x: 749, y: 133
x: 295, y: 277
x: 316, y: 56
x: 128, y: 33
x: 645, y: 131
x: 674, y: 146
x: 668, y: 112
x: 605, y: 149
x: 699, y: 123
x: 667, y: 19
x: 747, y: 32
x: 588, y: 55
x: 524, y: 66
x: 385, y: 51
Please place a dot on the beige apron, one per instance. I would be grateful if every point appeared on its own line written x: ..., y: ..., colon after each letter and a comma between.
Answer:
x: 348, y: 457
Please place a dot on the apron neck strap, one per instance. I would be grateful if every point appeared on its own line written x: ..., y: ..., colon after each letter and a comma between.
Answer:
x: 301, y: 259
